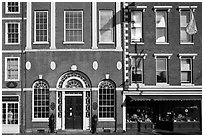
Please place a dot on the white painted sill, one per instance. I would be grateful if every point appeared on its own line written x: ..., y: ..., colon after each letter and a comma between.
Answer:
x: 40, y: 43
x: 106, y: 43
x: 77, y: 43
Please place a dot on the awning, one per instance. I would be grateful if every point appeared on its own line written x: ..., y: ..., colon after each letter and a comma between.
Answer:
x: 165, y: 98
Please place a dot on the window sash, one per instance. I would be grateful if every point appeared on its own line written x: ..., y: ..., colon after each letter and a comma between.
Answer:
x: 161, y: 26
x: 73, y: 24
x: 184, y: 20
x: 186, y: 70
x: 12, y: 33
x: 105, y: 26
x: 106, y: 100
x: 161, y: 70
x: 12, y: 7
x: 136, y: 26
x: 136, y: 75
x: 41, y: 26
x: 12, y: 69
x: 40, y: 101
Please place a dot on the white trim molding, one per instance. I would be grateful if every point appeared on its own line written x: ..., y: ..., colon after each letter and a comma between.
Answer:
x: 187, y: 7
x: 94, y: 25
x: 168, y: 8
x: 11, y: 51
x: 28, y: 26
x: 156, y: 55
x: 53, y: 35
x: 193, y: 55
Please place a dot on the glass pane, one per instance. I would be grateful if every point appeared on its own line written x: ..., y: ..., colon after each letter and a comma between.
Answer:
x: 186, y: 77
x: 136, y: 34
x: 161, y: 19
x: 161, y: 76
x: 161, y: 35
x: 106, y: 36
x: 161, y: 64
x: 106, y: 19
x: 184, y: 36
x: 184, y: 18
x: 136, y: 18
x: 185, y: 64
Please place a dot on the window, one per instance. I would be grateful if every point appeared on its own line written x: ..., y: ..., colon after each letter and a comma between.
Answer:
x: 41, y: 26
x: 136, y: 26
x: 161, y: 26
x: 105, y: 26
x: 184, y: 20
x: 12, y: 7
x: 73, y: 26
x: 186, y: 70
x: 106, y: 100
x: 136, y: 69
x: 40, y: 100
x: 10, y: 113
x: 161, y: 70
x: 12, y: 33
x: 12, y: 69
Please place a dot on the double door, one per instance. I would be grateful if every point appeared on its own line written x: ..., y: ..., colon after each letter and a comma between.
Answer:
x: 73, y: 112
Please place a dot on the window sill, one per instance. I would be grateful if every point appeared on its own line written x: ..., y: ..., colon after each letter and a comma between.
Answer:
x: 12, y: 12
x: 65, y: 42
x: 11, y: 80
x: 12, y: 43
x: 187, y: 84
x: 162, y: 84
x: 106, y: 43
x: 40, y: 43
x: 40, y: 120
x: 187, y: 43
x: 133, y: 85
x: 164, y: 43
x: 140, y: 43
x: 106, y: 119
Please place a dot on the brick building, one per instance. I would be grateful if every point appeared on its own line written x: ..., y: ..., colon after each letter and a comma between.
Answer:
x: 124, y: 62
x: 61, y: 58
x: 162, y: 65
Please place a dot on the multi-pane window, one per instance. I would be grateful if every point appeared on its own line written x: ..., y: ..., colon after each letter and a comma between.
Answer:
x: 136, y: 69
x: 12, y: 7
x: 12, y: 33
x: 106, y: 99
x: 41, y: 100
x: 161, y: 70
x: 136, y: 26
x: 186, y: 70
x: 105, y: 26
x: 10, y: 113
x: 161, y: 26
x: 73, y: 26
x: 184, y: 20
x: 12, y: 69
x: 41, y: 26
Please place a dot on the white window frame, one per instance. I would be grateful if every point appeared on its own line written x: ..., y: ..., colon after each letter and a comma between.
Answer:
x: 6, y: 33
x: 82, y: 36
x: 165, y: 9
x: 166, y: 70
x: 143, y: 57
x: 6, y: 9
x: 191, y: 57
x: 33, y: 118
x: 142, y: 9
x: 163, y: 56
x: 111, y: 118
x: 40, y: 42
x: 6, y: 71
x: 108, y: 42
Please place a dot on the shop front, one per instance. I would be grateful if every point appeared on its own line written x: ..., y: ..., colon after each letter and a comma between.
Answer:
x: 163, y: 112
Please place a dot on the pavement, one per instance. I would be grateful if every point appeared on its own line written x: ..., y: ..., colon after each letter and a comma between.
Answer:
x: 128, y: 132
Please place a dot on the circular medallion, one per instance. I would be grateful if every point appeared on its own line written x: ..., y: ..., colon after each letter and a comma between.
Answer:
x: 95, y: 65
x: 52, y: 65
x: 74, y: 67
x: 28, y: 65
x: 119, y: 65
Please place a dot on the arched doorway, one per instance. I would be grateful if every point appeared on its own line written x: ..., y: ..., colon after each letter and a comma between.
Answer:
x: 73, y: 101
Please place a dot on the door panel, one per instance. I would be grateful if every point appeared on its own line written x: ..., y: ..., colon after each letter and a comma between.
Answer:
x: 73, y: 112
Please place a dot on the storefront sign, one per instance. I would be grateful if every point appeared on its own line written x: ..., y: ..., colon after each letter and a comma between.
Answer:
x: 11, y: 84
x: 10, y: 98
